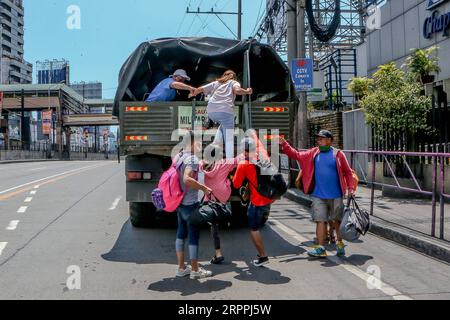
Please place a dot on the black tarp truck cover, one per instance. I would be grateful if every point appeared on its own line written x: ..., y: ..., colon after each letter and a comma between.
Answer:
x: 205, y: 59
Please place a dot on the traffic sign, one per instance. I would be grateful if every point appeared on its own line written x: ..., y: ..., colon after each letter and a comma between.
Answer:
x: 302, y: 74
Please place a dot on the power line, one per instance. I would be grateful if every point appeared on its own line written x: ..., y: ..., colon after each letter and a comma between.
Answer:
x: 217, y: 13
x: 205, y: 22
x: 182, y: 21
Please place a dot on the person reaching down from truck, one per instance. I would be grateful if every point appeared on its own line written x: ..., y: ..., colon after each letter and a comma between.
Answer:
x: 259, y: 208
x: 166, y: 90
x: 327, y: 176
x: 217, y: 171
x: 220, y: 108
x: 188, y: 163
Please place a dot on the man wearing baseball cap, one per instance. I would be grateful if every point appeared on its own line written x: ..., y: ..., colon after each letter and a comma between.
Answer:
x: 327, y: 177
x: 166, y: 90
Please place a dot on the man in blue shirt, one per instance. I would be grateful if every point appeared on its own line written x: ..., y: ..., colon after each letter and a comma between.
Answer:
x: 166, y: 90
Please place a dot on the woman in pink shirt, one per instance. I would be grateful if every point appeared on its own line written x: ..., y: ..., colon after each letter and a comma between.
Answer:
x: 217, y: 174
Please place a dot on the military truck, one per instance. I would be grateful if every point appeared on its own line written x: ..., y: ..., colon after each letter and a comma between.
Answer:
x: 146, y: 128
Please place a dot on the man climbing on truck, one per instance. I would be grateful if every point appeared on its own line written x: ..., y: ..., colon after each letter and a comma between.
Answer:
x: 166, y: 90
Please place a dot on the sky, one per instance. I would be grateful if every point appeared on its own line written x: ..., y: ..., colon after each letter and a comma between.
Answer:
x: 110, y: 30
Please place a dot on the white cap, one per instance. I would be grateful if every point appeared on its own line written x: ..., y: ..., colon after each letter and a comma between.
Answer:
x: 181, y: 73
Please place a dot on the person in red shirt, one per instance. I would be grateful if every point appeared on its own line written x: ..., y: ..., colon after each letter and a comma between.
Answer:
x: 259, y: 206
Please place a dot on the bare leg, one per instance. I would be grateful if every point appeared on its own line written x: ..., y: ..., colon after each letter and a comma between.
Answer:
x: 180, y: 259
x: 258, y: 242
x: 337, y: 226
x: 194, y: 264
x: 321, y: 231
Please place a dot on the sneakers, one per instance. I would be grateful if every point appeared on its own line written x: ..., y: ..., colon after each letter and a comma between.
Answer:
x: 260, y: 261
x: 184, y: 273
x: 200, y: 274
x: 217, y: 260
x: 340, y: 249
x: 318, y: 252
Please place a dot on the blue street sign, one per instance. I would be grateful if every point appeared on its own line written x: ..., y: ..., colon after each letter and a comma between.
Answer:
x: 302, y: 74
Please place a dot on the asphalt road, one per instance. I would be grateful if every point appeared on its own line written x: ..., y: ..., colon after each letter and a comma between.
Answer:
x: 71, y: 216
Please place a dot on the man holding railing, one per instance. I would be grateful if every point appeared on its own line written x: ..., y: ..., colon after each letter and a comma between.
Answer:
x: 327, y: 177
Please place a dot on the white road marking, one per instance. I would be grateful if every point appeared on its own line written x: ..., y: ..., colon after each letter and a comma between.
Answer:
x: 115, y: 204
x: 47, y: 178
x: 384, y: 287
x: 33, y: 192
x: 12, y: 225
x: 29, y: 199
x: 22, y: 210
x: 2, y: 247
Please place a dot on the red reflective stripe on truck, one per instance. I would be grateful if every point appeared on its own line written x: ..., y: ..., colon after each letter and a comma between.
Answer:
x: 136, y: 109
x: 274, y: 109
x: 136, y: 138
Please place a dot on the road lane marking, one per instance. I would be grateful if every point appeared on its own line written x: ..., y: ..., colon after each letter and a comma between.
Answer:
x: 46, y: 178
x: 12, y: 225
x: 58, y: 177
x: 22, y: 210
x: 115, y: 204
x: 2, y: 247
x: 29, y: 199
x: 33, y: 192
x: 384, y: 287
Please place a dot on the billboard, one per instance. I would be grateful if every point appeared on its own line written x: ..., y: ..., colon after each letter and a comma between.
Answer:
x: 47, y: 122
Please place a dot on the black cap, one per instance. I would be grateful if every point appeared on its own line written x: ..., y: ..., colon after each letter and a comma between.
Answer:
x: 325, y: 134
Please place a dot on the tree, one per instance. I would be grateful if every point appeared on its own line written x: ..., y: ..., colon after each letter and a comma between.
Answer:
x: 396, y: 105
x: 421, y: 63
x: 360, y: 87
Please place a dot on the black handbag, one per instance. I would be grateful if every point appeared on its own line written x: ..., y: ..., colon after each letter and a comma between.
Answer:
x: 211, y: 212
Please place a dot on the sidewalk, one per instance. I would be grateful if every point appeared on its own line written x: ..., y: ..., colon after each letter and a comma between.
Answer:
x: 405, y: 221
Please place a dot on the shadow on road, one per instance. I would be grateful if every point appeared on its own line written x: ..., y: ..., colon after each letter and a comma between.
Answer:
x: 156, y: 246
x: 187, y: 287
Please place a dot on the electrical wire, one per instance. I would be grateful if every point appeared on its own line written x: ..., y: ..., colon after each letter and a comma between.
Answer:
x: 324, y: 34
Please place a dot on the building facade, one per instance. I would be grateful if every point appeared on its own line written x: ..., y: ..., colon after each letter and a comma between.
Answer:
x: 91, y: 90
x: 14, y: 69
x: 53, y: 71
x: 416, y: 24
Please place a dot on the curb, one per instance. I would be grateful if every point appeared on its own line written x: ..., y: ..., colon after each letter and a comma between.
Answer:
x: 409, y: 238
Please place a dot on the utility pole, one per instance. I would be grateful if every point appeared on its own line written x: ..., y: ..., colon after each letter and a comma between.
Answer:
x: 291, y: 12
x: 22, y: 118
x: 239, y: 20
x: 302, y: 108
x: 219, y: 13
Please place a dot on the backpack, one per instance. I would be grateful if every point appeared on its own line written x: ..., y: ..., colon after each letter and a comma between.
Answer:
x: 169, y: 194
x: 271, y: 183
x: 356, y: 222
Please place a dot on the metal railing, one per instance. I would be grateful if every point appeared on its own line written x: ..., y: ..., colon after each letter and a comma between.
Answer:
x: 367, y: 173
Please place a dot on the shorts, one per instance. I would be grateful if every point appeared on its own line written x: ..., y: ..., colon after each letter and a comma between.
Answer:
x: 324, y: 210
x: 257, y: 215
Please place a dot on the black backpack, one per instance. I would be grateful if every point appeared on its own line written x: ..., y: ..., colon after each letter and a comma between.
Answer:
x: 271, y: 183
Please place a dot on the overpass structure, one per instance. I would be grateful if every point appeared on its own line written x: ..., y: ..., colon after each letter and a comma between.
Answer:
x: 69, y: 108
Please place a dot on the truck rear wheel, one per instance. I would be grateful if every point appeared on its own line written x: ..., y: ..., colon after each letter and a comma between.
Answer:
x: 142, y: 215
